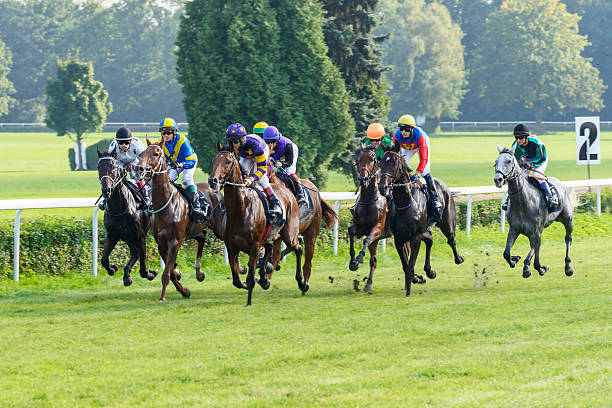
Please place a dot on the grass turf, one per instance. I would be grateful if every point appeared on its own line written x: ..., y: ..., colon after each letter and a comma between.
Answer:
x: 477, y: 335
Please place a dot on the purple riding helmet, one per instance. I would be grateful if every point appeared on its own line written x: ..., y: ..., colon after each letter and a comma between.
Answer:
x: 271, y: 133
x: 235, y: 131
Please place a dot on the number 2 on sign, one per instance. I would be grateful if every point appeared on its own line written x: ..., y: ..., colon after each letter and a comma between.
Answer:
x: 582, y: 154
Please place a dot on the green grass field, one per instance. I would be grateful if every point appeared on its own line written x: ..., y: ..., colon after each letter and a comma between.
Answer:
x: 478, y: 335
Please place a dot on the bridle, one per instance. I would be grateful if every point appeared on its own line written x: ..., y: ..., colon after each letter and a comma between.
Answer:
x: 225, y: 181
x: 396, y: 169
x: 512, y: 174
x: 114, y: 181
x: 157, y: 169
x: 370, y: 173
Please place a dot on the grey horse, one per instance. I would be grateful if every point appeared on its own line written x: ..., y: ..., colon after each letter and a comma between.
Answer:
x: 528, y: 212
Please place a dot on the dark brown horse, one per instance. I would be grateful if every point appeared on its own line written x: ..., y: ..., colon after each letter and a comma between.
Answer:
x: 370, y: 216
x: 409, y: 220
x: 310, y: 224
x: 246, y: 228
x: 171, y: 222
x: 123, y: 219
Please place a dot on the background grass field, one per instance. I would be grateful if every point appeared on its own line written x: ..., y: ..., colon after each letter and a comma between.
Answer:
x: 478, y: 335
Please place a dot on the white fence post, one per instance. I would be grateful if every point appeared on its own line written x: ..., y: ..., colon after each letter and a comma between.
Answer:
x: 225, y: 258
x: 16, y: 246
x: 94, y: 243
x: 468, y: 215
x: 598, y: 201
x: 337, y: 210
x: 383, y: 245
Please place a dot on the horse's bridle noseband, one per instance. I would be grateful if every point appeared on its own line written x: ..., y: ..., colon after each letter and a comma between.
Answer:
x: 511, y: 175
x: 114, y: 182
x: 150, y: 172
x: 225, y: 181
x: 371, y: 173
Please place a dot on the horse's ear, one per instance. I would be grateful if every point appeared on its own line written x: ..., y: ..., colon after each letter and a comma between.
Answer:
x: 98, y: 150
x: 499, y: 149
x: 513, y: 148
x: 363, y: 146
x: 148, y: 141
x: 396, y: 146
x: 219, y: 146
x: 114, y: 152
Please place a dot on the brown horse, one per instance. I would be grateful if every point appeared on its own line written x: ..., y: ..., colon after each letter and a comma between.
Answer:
x: 310, y: 224
x: 171, y: 223
x: 246, y: 228
x: 370, y: 216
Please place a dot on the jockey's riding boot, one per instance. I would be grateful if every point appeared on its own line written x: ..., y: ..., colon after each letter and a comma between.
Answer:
x: 505, y: 204
x: 352, y: 210
x: 102, y: 204
x: 435, y: 200
x: 275, y: 210
x: 198, y: 214
x: 147, y: 204
x: 550, y: 197
x: 301, y: 200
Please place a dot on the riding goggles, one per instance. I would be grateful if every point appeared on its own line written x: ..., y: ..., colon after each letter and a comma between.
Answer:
x: 405, y: 128
x: 124, y: 141
x: 167, y: 131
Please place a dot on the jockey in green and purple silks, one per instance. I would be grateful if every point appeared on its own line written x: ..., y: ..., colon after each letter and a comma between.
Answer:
x: 254, y: 157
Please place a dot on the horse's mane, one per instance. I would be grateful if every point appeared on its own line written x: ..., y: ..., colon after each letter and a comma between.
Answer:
x: 226, y: 149
x: 506, y: 150
x: 369, y: 148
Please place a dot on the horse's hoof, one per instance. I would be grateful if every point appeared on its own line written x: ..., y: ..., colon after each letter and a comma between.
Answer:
x: 178, y: 275
x: 569, y: 271
x: 543, y: 269
x: 112, y: 269
x: 269, y: 268
x: 418, y: 279
x: 162, y: 300
x: 514, y: 260
x: 305, y: 289
x: 200, y: 277
x: 264, y: 283
x: 367, y: 287
x: 353, y: 265
x: 459, y: 260
x: 186, y: 293
x: 277, y: 267
x: 127, y: 281
x: 526, y: 273
x: 151, y: 275
x: 431, y: 274
x: 407, y: 294
x: 243, y: 269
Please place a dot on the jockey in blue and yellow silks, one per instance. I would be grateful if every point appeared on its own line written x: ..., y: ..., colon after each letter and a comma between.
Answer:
x: 413, y: 139
x: 254, y: 157
x: 181, y: 158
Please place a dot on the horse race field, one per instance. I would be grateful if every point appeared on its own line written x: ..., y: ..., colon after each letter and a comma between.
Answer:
x: 479, y: 335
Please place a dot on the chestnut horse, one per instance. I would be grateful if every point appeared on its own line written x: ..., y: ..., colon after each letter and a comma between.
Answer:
x: 246, y: 227
x: 171, y: 223
x: 310, y: 224
x: 123, y: 219
x: 370, y: 217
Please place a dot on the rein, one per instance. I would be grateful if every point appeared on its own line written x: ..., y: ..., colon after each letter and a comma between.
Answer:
x: 514, y: 173
x: 115, y: 183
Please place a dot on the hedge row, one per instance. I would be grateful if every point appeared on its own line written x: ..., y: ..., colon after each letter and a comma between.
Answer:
x: 58, y: 245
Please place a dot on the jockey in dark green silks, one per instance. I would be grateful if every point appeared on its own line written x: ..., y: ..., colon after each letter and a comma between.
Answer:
x: 530, y: 153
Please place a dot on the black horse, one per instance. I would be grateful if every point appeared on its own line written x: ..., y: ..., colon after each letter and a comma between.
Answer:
x: 123, y: 219
x: 409, y: 219
x: 528, y: 212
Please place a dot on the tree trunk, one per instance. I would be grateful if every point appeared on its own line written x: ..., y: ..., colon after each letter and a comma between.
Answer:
x: 79, y: 152
x: 539, y: 113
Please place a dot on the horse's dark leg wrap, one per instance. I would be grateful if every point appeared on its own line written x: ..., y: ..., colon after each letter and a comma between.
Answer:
x: 431, y: 187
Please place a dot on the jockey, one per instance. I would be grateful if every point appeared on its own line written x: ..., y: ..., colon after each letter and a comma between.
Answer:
x: 377, y: 138
x: 259, y: 128
x: 128, y: 149
x: 530, y: 153
x: 413, y: 139
x: 285, y: 154
x: 254, y: 152
x: 181, y: 158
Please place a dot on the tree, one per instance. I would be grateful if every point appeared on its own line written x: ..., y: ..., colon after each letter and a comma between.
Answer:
x: 424, y: 49
x: 530, y: 52
x: 35, y: 32
x: 358, y: 55
x: 246, y: 61
x: 6, y: 87
x: 77, y: 102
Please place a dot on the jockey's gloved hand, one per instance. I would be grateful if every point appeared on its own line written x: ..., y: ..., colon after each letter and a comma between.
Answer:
x: 128, y: 168
x: 172, y: 165
x: 249, y: 180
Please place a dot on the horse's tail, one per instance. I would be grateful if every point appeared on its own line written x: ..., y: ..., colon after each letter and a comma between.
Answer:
x: 329, y: 215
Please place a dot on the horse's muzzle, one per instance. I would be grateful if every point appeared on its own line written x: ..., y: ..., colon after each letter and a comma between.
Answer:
x: 498, y: 180
x: 214, y: 184
x: 139, y: 171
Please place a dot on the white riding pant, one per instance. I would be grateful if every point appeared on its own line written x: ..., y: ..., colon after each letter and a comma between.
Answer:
x: 292, y: 168
x: 187, y: 174
x: 541, y: 168
x: 249, y: 165
x: 407, y: 155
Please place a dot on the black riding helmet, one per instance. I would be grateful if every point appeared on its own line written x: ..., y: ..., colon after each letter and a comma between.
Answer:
x: 521, y: 129
x: 123, y: 134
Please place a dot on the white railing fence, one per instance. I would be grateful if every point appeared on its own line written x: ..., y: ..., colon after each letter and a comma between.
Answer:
x: 25, y: 204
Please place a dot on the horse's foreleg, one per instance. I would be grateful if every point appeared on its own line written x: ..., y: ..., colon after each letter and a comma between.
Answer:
x: 263, y: 281
x: 569, y: 227
x: 109, y: 244
x: 310, y: 238
x: 142, y: 254
x: 232, y: 256
x: 431, y: 274
x: 250, y: 280
x: 527, y: 261
x: 536, y: 242
x: 353, y: 264
x: 173, y: 248
x: 298, y: 267
x: 510, y: 240
x: 448, y: 229
x: 198, y: 262
x: 415, y: 246
x: 127, y: 279
x: 403, y: 251
x: 276, y: 257
x: 373, y: 260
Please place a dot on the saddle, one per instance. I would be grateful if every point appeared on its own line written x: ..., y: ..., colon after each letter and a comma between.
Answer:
x: 293, y: 186
x: 203, y: 201
x: 553, y: 190
x: 264, y: 200
x: 134, y: 190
